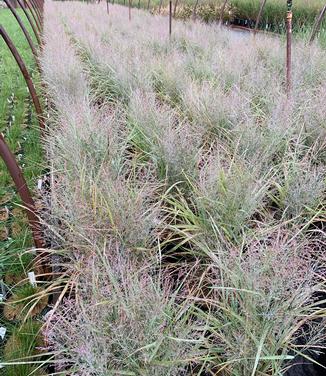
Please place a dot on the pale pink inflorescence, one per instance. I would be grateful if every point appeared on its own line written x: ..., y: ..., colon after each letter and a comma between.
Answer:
x: 188, y: 191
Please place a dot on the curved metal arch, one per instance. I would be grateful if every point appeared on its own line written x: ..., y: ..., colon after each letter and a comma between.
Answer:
x: 29, y: 7
x: 24, y: 30
x: 30, y: 22
x: 26, y: 75
x: 24, y: 193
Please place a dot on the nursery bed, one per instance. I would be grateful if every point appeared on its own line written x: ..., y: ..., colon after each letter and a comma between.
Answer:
x: 189, y: 196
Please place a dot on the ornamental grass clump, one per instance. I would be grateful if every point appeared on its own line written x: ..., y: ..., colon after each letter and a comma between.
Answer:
x: 140, y: 326
x: 188, y: 196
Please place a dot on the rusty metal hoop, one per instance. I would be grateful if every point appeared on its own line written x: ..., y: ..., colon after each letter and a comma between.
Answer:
x: 37, y: 12
x: 20, y: 183
x: 30, y: 22
x: 24, y: 30
x: 27, y: 77
x: 29, y: 7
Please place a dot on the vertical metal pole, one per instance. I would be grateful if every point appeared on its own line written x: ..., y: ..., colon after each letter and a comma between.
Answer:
x: 289, y: 47
x: 317, y: 24
x: 107, y: 7
x: 175, y: 7
x: 262, y: 5
x: 170, y: 18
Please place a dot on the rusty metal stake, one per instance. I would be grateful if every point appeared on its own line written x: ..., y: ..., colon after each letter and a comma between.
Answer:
x: 317, y: 24
x: 107, y: 7
x: 24, y: 193
x: 223, y: 11
x: 289, y: 48
x: 27, y: 77
x: 170, y: 18
x: 30, y: 21
x: 27, y: 36
x: 262, y: 6
x: 175, y: 7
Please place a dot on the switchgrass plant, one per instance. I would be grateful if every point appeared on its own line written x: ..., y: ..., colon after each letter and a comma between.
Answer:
x: 189, y: 194
x: 140, y: 327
